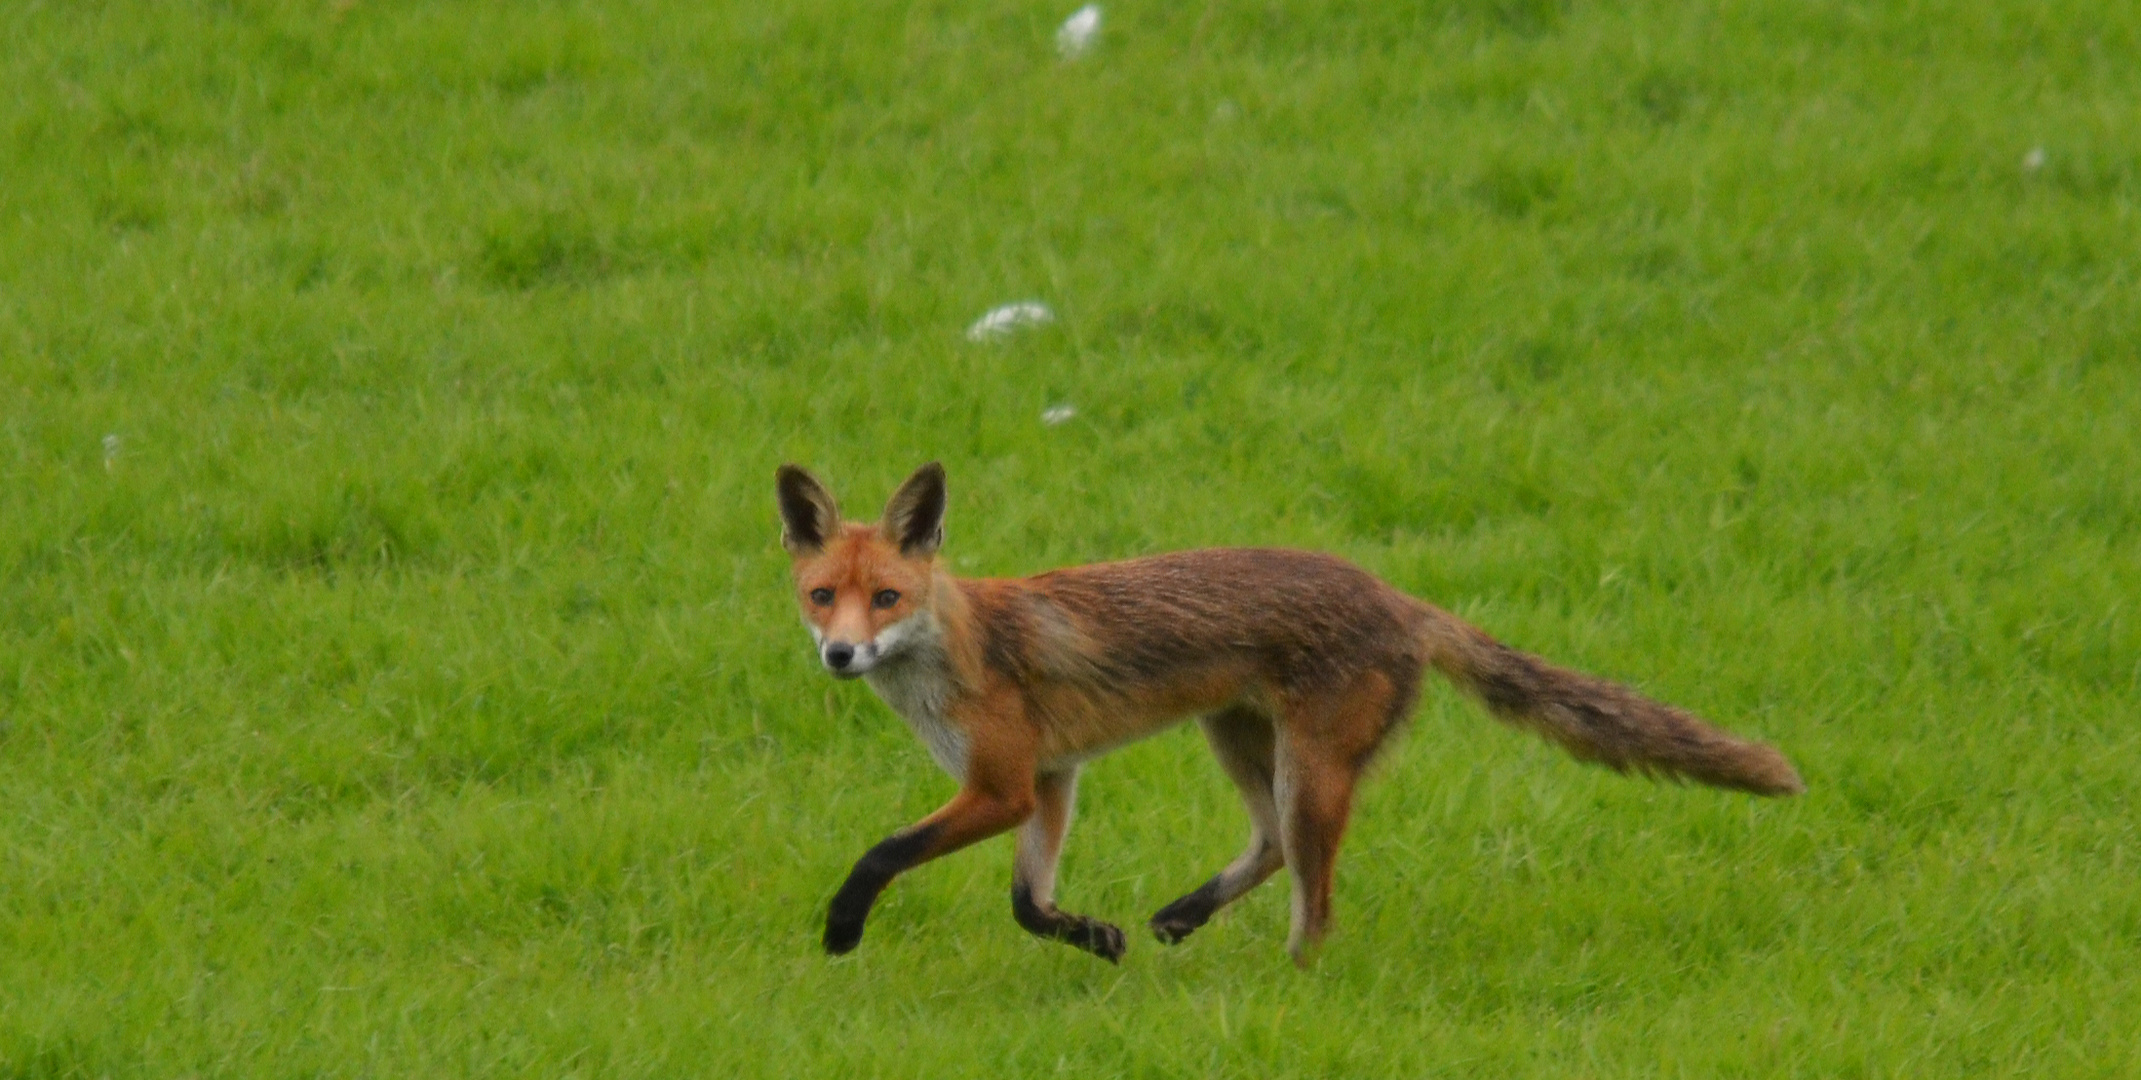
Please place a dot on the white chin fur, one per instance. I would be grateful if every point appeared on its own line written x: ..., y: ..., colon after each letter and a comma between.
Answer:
x: 893, y: 638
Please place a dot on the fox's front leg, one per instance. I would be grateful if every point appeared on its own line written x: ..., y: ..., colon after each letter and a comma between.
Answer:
x: 1033, y: 881
x: 971, y: 815
x: 998, y: 794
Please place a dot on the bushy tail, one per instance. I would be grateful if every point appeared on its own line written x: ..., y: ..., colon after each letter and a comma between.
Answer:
x: 1597, y: 720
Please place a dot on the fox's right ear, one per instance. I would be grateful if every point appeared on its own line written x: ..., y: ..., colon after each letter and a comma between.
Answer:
x: 808, y: 516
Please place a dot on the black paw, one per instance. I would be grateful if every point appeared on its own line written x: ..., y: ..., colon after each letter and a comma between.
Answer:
x: 842, y: 937
x: 1180, y: 919
x: 1104, y: 940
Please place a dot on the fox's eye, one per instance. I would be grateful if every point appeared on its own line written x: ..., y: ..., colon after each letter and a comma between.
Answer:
x: 821, y: 597
x: 886, y: 598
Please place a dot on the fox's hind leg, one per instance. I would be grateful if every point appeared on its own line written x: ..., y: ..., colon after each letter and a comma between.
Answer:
x: 1033, y: 882
x: 1324, y: 743
x: 1242, y: 740
x: 1315, y: 798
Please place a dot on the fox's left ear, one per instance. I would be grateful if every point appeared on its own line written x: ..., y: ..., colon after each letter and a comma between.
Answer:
x: 914, y: 519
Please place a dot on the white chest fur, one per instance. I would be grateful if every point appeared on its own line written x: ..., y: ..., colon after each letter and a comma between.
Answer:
x: 917, y: 684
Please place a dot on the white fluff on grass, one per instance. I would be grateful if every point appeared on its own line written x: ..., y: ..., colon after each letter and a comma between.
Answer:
x: 1006, y: 319
x: 1076, y: 34
x: 2034, y: 160
x: 1056, y: 414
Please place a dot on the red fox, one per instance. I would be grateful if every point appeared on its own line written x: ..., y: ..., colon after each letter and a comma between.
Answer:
x: 1296, y: 665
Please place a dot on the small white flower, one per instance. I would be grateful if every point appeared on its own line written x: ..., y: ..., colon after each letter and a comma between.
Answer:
x: 1005, y: 319
x: 1076, y: 34
x: 2034, y: 160
x: 1056, y: 414
x: 111, y: 450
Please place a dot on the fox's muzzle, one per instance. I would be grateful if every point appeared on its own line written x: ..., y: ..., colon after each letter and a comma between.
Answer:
x: 849, y: 659
x: 846, y: 660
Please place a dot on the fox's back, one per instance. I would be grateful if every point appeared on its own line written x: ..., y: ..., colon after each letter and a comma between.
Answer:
x: 1294, y: 618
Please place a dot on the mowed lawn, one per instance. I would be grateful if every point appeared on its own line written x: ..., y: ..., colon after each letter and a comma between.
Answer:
x: 398, y: 670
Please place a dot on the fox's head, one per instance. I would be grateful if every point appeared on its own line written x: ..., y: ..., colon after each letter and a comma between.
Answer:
x: 865, y: 589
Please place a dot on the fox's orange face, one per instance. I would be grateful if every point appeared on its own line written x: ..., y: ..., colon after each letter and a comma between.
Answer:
x: 864, y: 589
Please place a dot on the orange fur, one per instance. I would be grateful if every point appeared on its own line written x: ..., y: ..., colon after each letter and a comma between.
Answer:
x: 1300, y: 665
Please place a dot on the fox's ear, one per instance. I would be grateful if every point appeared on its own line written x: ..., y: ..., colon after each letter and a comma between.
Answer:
x: 808, y: 516
x: 914, y: 519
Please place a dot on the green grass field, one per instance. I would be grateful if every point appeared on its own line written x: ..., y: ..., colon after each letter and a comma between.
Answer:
x: 398, y: 674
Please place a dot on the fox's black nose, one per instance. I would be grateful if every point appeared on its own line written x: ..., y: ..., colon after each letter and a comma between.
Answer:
x: 837, y: 655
